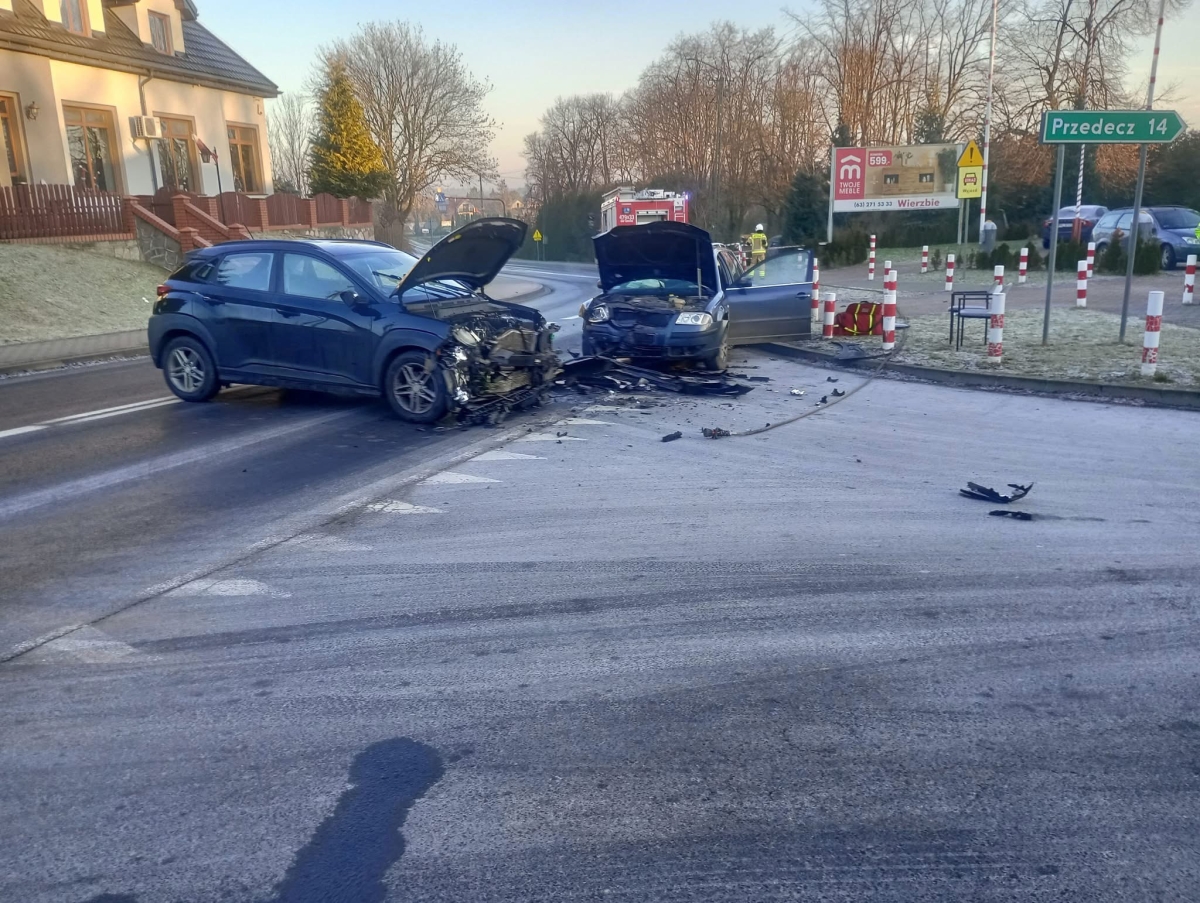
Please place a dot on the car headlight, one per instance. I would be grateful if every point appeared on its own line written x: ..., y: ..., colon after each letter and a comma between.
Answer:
x: 694, y: 319
x: 598, y: 314
x: 1191, y: 240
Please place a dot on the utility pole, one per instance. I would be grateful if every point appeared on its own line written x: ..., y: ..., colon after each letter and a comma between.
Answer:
x: 987, y: 122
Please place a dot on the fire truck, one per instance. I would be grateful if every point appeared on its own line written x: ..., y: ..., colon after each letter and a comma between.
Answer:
x: 626, y: 207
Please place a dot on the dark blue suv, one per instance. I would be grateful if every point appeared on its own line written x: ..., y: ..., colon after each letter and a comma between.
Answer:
x: 357, y: 317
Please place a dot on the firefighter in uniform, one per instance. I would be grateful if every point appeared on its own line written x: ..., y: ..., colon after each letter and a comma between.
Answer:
x: 758, y: 245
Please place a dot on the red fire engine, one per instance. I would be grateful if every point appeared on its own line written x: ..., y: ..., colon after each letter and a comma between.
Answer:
x: 626, y: 207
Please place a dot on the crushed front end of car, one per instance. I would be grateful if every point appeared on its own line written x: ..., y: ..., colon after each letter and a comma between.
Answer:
x: 667, y: 327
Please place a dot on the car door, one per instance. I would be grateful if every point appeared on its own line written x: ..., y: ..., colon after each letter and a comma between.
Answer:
x: 323, y: 325
x: 772, y: 300
x: 241, y: 312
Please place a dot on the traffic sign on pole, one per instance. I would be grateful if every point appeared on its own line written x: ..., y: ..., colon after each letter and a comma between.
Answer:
x: 1110, y: 127
x: 537, y: 234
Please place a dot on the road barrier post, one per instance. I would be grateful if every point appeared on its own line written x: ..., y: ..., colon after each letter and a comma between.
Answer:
x: 816, y: 295
x: 887, y: 268
x: 1023, y: 269
x: 871, y: 261
x: 1091, y: 259
x: 1081, y: 279
x: 995, y: 333
x: 889, y: 310
x: 998, y: 278
x: 924, y: 259
x: 830, y: 303
x: 949, y: 272
x: 1189, y: 280
x: 1154, y: 309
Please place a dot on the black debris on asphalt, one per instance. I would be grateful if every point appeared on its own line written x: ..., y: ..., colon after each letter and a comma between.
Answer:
x: 987, y: 494
x: 714, y: 433
x: 607, y: 373
x: 1015, y: 515
x: 671, y: 437
x: 838, y: 393
x: 831, y: 379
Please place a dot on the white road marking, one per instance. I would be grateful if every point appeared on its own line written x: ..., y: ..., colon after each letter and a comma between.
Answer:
x: 394, y: 507
x: 145, y: 407
x: 323, y: 542
x: 602, y: 409
x: 235, y: 586
x: 549, y: 437
x: 515, y: 270
x: 74, y: 488
x: 501, y: 455
x: 121, y: 408
x: 580, y: 421
x: 21, y: 430
x: 92, y: 646
x: 450, y: 476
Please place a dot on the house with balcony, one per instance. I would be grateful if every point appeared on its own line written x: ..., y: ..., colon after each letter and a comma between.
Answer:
x: 128, y: 97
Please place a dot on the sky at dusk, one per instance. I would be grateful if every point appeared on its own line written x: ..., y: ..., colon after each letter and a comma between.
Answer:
x: 533, y: 52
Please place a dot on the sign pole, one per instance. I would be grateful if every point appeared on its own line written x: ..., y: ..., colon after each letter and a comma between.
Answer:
x: 987, y: 122
x: 1141, y: 179
x: 1058, y: 177
x: 832, y: 175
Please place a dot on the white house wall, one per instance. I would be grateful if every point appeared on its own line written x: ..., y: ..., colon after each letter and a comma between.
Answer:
x: 29, y: 78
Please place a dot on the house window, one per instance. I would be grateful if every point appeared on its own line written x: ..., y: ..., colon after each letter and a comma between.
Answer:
x: 243, y: 152
x: 74, y: 16
x: 90, y: 140
x: 10, y: 123
x: 891, y: 178
x: 176, y: 156
x: 925, y: 178
x: 160, y: 33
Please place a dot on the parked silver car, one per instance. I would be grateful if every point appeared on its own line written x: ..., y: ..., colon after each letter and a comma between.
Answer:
x: 1173, y: 227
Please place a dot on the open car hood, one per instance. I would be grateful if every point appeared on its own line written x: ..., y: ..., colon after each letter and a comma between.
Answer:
x: 472, y: 255
x: 659, y: 250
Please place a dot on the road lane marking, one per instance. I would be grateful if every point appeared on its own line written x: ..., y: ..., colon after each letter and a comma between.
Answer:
x: 71, y: 490
x: 104, y: 416
x: 501, y: 455
x: 394, y: 507
x: 118, y: 409
x: 551, y: 273
x: 452, y: 477
x: 323, y: 542
x: 233, y: 587
x: 21, y: 430
x: 95, y: 647
x: 581, y: 421
x: 549, y: 437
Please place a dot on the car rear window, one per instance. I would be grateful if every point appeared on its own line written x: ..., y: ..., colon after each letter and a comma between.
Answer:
x: 246, y: 269
x: 199, y: 269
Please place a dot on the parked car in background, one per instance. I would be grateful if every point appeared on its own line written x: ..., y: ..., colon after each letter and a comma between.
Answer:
x: 1089, y: 215
x: 1173, y: 227
x: 669, y: 295
x: 356, y: 317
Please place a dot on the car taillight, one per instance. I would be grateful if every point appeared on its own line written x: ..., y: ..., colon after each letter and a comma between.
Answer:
x: 162, y: 290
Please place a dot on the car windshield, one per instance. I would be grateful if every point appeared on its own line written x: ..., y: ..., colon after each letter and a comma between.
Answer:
x: 1177, y: 218
x: 655, y: 287
x: 384, y: 268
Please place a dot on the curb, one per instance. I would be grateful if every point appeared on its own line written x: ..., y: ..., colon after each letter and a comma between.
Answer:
x: 1181, y: 399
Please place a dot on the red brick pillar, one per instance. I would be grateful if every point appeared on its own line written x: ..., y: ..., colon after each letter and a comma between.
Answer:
x: 179, y: 210
x: 259, y: 218
x: 186, y: 236
x: 310, y: 211
x: 211, y: 206
x: 344, y: 203
x: 127, y: 218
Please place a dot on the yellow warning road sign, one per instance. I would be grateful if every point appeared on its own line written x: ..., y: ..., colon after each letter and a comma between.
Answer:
x: 970, y: 155
x: 970, y: 182
x: 537, y: 234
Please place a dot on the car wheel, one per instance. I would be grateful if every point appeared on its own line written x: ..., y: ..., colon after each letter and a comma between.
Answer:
x: 1168, y: 257
x: 1101, y: 249
x: 415, y: 388
x: 718, y: 360
x: 189, y: 370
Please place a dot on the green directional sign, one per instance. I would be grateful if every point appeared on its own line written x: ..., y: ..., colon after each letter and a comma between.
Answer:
x: 1111, y: 127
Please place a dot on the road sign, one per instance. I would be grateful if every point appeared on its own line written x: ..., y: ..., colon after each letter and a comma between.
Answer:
x: 537, y: 234
x: 970, y: 157
x: 970, y: 182
x: 1110, y: 127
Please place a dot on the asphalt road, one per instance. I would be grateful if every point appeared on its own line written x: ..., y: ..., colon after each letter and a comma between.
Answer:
x: 519, y: 665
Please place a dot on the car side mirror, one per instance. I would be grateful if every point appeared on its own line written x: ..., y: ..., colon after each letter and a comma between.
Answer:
x: 349, y: 297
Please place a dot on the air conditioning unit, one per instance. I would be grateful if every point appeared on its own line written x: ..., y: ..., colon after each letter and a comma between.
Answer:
x: 144, y: 127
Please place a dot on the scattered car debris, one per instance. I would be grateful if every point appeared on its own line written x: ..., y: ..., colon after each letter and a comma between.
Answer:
x: 759, y: 379
x: 671, y: 437
x: 831, y: 379
x: 987, y: 494
x: 1015, y: 515
x: 838, y: 393
x: 799, y: 393
x: 824, y: 400
x: 714, y: 433
x: 608, y: 373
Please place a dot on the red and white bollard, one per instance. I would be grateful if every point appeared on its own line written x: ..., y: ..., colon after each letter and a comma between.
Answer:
x: 998, y: 278
x: 924, y: 259
x: 889, y: 310
x: 949, y: 272
x: 1154, y: 309
x: 1091, y: 259
x: 1081, y: 278
x: 816, y: 295
x: 871, y: 261
x: 1189, y: 281
x: 995, y: 333
x: 1023, y: 268
x: 830, y: 302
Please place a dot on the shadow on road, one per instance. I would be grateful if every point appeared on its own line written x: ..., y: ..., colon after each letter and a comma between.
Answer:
x: 350, y: 853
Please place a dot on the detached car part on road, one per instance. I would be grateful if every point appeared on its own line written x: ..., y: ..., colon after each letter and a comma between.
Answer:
x: 670, y: 295
x: 357, y: 317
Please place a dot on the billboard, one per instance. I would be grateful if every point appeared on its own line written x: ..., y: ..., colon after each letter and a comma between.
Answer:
x: 917, y: 177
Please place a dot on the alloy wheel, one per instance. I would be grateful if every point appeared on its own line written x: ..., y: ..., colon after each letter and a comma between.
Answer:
x: 186, y: 370
x: 413, y: 388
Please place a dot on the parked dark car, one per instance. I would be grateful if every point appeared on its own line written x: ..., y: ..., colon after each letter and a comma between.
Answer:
x: 1173, y: 227
x: 1089, y: 215
x: 358, y: 317
x: 669, y: 295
